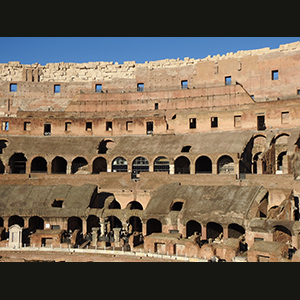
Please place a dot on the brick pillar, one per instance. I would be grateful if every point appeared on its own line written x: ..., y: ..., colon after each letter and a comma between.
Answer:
x: 204, y: 233
x: 225, y: 232
x: 214, y: 168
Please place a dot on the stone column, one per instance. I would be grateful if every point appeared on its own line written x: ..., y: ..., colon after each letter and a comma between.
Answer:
x: 95, y: 235
x: 117, y: 236
x: 172, y: 169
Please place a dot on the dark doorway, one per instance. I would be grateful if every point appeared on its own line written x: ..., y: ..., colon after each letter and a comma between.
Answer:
x: 136, y: 224
x: 213, y: 230
x: 36, y: 223
x: 204, y: 165
x: 39, y: 165
x: 192, y: 227
x: 99, y: 165
x: 92, y: 221
x: 182, y: 165
x: 16, y: 220
x: 235, y: 231
x: 74, y: 223
x: 17, y: 163
x: 261, y: 123
x: 59, y: 165
x: 161, y: 164
x: 153, y: 225
x: 77, y: 163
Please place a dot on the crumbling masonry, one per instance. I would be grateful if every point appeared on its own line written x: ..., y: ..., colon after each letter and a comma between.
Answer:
x: 199, y: 157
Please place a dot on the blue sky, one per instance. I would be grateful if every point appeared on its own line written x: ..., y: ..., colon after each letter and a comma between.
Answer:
x: 45, y: 50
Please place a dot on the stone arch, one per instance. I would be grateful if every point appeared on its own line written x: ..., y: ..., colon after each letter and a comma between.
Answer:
x: 213, y: 230
x: 92, y: 221
x: 153, y: 225
x: 38, y: 165
x: 281, y: 234
x: 74, y: 223
x: 36, y: 222
x: 16, y: 220
x: 203, y: 165
x: 134, y: 205
x: 59, y: 165
x: 3, y: 145
x: 182, y: 165
x: 17, y: 163
x: 161, y: 164
x: 114, y: 205
x: 119, y: 164
x: 235, y: 230
x: 136, y: 223
x: 279, y: 161
x: 114, y: 222
x: 78, y: 163
x: 99, y: 165
x: 140, y: 164
x: 225, y: 165
x: 193, y: 226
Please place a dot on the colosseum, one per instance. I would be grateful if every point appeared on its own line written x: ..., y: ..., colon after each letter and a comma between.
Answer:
x: 194, y: 158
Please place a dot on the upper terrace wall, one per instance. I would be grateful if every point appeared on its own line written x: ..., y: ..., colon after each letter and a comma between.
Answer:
x: 251, y: 68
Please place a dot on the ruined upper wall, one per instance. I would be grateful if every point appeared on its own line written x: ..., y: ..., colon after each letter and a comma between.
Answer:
x: 102, y: 71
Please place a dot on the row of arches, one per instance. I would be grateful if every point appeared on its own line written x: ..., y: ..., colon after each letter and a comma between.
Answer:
x: 182, y: 165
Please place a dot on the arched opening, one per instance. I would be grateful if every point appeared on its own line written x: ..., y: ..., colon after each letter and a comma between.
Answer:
x: 213, y: 230
x: 225, y: 165
x: 282, y: 234
x: 203, y: 165
x: 134, y: 205
x: 77, y: 163
x: 280, y: 161
x: 177, y: 206
x: 114, y: 222
x: 39, y: 165
x: 2, y: 145
x: 161, y: 164
x: 140, y: 164
x: 262, y: 209
x: 235, y: 231
x: 99, y: 165
x: 114, y: 205
x: 17, y: 163
x: 119, y: 164
x: 2, y: 167
x: 136, y: 223
x: 74, y: 223
x: 182, y: 165
x: 59, y: 165
x: 16, y: 220
x: 92, y: 221
x: 192, y: 227
x: 36, y: 223
x: 153, y: 225
x: 186, y: 149
x: 254, y: 163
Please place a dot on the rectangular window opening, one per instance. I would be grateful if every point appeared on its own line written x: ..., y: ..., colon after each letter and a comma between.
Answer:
x: 27, y: 126
x: 214, y: 122
x: 13, y: 87
x: 156, y: 106
x: 261, y: 123
x: 285, y: 117
x: 228, y: 80
x: 129, y: 125
x: 68, y: 126
x: 140, y: 87
x: 47, y: 129
x: 5, y: 125
x: 149, y: 127
x: 57, y: 88
x: 193, y: 123
x: 184, y: 84
x: 109, y: 126
x: 88, y: 126
x: 237, y: 121
x: 275, y: 75
x: 98, y: 88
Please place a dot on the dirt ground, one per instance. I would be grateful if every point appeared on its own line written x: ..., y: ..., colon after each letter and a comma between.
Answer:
x: 24, y: 256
